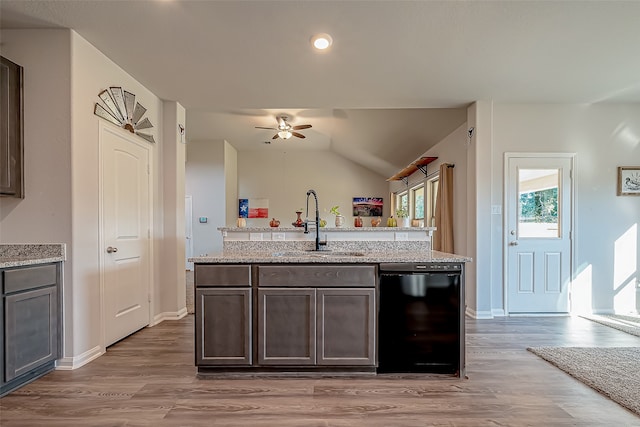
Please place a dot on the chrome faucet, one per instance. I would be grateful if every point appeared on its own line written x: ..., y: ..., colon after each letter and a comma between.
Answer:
x: 316, y: 222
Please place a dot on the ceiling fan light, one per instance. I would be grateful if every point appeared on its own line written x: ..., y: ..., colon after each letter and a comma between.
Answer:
x: 321, y: 41
x: 284, y: 134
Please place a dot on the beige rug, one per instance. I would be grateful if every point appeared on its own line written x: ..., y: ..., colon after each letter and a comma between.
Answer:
x: 629, y: 323
x: 613, y: 371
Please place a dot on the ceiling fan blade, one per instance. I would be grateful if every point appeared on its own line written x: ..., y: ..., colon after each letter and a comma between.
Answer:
x: 262, y: 127
x: 276, y: 136
x: 299, y: 135
x: 301, y: 127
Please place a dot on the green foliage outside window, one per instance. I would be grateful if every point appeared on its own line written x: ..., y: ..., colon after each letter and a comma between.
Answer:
x: 539, y: 206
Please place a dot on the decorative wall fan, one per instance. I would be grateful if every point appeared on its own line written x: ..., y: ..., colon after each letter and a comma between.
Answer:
x: 285, y: 130
x: 118, y: 108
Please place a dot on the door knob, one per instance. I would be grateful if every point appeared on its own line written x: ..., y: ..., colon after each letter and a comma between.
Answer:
x: 111, y: 249
x: 513, y: 243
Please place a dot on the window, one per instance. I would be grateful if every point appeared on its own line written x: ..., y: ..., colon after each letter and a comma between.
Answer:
x: 432, y: 196
x: 404, y: 201
x: 419, y: 201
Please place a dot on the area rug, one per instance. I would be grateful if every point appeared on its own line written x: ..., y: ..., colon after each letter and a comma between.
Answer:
x: 627, y: 323
x: 612, y: 371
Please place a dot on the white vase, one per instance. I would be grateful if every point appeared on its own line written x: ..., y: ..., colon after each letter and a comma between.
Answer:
x: 339, y: 220
x: 406, y: 222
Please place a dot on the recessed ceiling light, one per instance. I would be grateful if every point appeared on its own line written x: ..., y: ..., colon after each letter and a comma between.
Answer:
x: 321, y: 41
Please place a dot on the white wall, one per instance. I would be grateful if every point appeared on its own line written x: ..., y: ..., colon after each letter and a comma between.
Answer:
x: 44, y: 215
x: 230, y: 184
x: 206, y: 183
x: 63, y: 76
x: 171, y: 285
x: 607, y: 233
x: 285, y: 177
x: 453, y: 150
x: 92, y: 72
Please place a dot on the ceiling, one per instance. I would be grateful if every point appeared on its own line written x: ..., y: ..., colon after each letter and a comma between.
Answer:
x: 397, y: 79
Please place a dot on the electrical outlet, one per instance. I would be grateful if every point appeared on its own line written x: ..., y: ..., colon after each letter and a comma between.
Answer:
x: 277, y: 236
x: 402, y: 236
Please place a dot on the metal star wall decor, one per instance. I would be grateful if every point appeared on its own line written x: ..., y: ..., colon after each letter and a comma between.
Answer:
x: 120, y: 108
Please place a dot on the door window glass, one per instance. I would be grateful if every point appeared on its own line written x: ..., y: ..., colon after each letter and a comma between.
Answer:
x: 538, y: 205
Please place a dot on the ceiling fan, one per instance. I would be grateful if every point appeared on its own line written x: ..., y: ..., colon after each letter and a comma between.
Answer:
x: 285, y: 130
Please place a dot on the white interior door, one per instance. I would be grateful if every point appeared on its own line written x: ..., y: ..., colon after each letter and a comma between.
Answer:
x: 126, y: 230
x: 538, y: 240
x: 188, y: 221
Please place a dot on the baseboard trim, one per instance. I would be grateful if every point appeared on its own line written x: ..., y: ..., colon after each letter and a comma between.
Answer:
x: 498, y: 312
x: 603, y: 312
x: 478, y: 314
x: 75, y: 362
x: 169, y: 315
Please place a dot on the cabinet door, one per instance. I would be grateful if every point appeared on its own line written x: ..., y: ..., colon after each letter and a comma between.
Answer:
x: 346, y: 326
x: 223, y: 326
x: 286, y: 326
x: 11, y: 129
x: 31, y: 330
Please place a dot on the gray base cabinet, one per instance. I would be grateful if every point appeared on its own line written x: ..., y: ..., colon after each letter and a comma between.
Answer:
x: 346, y: 321
x: 224, y: 320
x: 30, y: 329
x: 304, y: 317
x: 224, y: 326
x: 287, y: 326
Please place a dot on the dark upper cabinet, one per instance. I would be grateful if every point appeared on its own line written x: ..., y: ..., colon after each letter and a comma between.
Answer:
x: 11, y: 130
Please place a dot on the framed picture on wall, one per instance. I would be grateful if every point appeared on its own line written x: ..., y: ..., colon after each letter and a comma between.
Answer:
x: 367, y: 206
x: 629, y: 181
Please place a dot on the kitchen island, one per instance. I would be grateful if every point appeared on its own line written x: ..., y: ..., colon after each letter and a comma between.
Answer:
x: 274, y: 308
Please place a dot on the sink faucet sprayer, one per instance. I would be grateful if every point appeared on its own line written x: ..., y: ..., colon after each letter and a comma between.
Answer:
x: 317, y: 221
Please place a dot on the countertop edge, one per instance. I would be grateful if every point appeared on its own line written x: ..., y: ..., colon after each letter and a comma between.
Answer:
x: 29, y: 261
x: 366, y: 258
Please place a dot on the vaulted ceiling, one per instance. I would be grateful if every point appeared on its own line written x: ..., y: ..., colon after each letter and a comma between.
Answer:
x: 397, y: 79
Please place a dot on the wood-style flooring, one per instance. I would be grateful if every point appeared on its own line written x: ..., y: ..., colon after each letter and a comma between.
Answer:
x: 149, y: 379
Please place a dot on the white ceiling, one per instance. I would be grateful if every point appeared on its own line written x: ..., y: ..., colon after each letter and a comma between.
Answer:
x: 397, y: 79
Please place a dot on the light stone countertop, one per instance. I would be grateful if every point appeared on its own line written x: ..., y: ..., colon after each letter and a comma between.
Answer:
x: 328, y: 257
x: 289, y: 228
x: 18, y: 255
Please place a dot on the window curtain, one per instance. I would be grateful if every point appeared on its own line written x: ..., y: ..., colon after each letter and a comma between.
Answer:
x: 443, y: 236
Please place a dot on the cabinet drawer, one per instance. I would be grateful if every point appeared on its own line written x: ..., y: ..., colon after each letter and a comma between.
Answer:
x: 317, y: 275
x: 24, y: 278
x: 222, y: 275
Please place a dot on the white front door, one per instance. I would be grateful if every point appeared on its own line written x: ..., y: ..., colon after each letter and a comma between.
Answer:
x: 538, y: 232
x: 126, y: 230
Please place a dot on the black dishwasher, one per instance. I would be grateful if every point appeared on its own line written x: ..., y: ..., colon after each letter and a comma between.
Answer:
x: 420, y: 323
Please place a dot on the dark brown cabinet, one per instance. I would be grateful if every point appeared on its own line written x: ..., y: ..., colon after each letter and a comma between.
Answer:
x: 307, y: 326
x: 305, y: 317
x: 30, y: 323
x: 11, y: 129
x: 346, y: 320
x: 223, y: 326
x: 223, y: 306
x: 286, y: 326
x: 322, y: 315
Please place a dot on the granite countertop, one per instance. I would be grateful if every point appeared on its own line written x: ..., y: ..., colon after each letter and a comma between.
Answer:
x: 287, y: 228
x: 18, y: 255
x: 328, y: 257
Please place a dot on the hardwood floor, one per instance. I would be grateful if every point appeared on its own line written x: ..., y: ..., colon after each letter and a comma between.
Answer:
x: 149, y: 379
